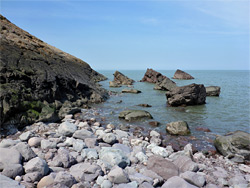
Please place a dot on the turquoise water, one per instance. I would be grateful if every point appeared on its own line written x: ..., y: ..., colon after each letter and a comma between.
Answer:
x: 229, y: 112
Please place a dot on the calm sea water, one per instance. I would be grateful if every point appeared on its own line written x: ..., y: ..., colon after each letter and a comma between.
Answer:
x: 228, y: 112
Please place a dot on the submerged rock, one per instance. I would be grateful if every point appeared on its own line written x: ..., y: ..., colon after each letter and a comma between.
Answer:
x: 235, y: 143
x: 179, y: 74
x: 126, y: 90
x: 193, y: 94
x: 153, y: 76
x: 34, y: 75
x: 165, y: 85
x: 144, y: 105
x: 178, y: 128
x: 131, y: 115
x: 213, y: 91
x: 121, y: 79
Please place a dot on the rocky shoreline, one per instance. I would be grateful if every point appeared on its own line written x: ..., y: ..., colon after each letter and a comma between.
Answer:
x: 84, y: 152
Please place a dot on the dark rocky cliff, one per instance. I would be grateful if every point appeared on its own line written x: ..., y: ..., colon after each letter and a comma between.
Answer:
x: 39, y: 81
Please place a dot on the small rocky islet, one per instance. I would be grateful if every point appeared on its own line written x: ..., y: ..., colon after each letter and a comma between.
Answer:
x: 46, y: 140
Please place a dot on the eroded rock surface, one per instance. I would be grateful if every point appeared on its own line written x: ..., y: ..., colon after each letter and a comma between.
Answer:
x: 36, y: 79
x: 153, y: 76
x: 179, y: 74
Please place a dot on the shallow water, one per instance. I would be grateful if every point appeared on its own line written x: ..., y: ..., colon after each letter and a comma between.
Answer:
x: 228, y: 112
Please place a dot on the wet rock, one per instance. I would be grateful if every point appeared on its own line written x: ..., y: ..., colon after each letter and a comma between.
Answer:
x: 213, y: 91
x: 154, y: 123
x: 65, y: 178
x: 203, y: 129
x: 131, y: 115
x: 162, y: 167
x: 36, y: 165
x: 179, y: 74
x: 178, y: 128
x: 237, y: 142
x: 114, y: 84
x: 34, y: 142
x: 127, y: 90
x: 118, y: 175
x: 25, y: 150
x: 13, y: 170
x: 25, y: 136
x: 152, y: 76
x: 144, y: 105
x: 193, y: 94
x: 193, y: 178
x: 177, y: 182
x: 165, y: 85
x: 82, y: 134
x: 114, y: 157
x: 9, y: 183
x: 109, y: 138
x: 67, y: 129
x: 120, y: 78
x: 186, y: 164
x: 11, y: 156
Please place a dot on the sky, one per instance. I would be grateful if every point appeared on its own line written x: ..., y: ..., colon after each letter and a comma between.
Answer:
x: 140, y: 34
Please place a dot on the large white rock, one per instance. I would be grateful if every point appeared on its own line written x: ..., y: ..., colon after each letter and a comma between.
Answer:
x: 36, y: 165
x: 114, y: 157
x: 109, y: 138
x: 9, y: 156
x: 66, y: 128
x: 118, y: 175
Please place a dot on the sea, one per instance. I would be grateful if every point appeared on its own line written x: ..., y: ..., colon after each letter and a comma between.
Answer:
x: 227, y: 113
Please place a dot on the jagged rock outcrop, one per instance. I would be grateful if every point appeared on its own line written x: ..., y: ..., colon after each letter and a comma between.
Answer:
x: 193, y: 94
x: 165, y: 85
x: 37, y: 79
x: 179, y: 74
x: 213, y: 91
x: 121, y: 79
x: 153, y: 76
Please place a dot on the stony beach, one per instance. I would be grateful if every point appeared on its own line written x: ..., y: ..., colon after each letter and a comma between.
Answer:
x: 83, y: 152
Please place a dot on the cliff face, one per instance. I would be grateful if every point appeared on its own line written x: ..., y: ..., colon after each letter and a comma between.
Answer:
x: 38, y: 79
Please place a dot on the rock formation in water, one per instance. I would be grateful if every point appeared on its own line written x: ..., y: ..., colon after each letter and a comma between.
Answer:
x: 213, y: 91
x: 235, y: 145
x: 165, y: 85
x: 193, y: 94
x: 37, y: 80
x: 181, y: 75
x: 153, y: 76
x: 120, y: 79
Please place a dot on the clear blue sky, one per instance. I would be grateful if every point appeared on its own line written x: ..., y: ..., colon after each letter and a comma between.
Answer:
x: 184, y: 34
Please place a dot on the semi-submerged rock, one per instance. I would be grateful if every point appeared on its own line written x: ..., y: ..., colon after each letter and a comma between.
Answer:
x: 131, y: 115
x: 179, y: 74
x: 128, y: 90
x: 234, y: 145
x: 193, y: 94
x: 152, y: 76
x: 213, y: 91
x: 178, y: 128
x: 121, y: 79
x: 36, y: 79
x: 165, y: 85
